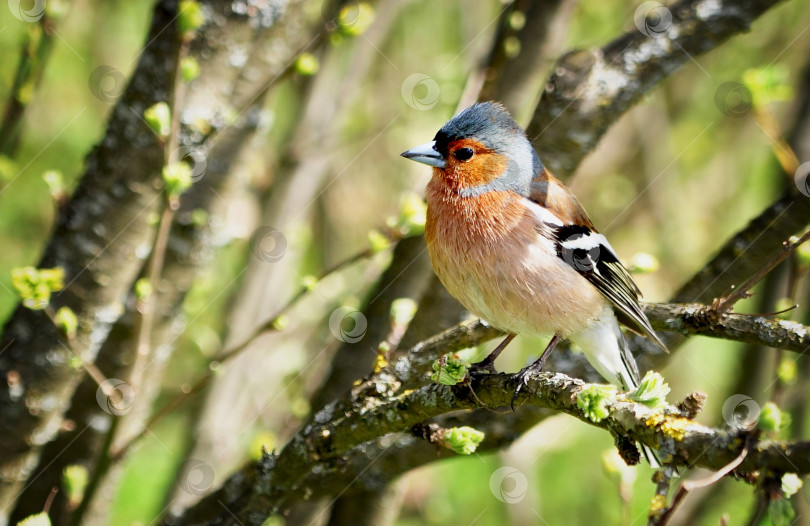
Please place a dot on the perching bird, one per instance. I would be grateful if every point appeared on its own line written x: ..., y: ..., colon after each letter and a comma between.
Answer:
x: 516, y: 248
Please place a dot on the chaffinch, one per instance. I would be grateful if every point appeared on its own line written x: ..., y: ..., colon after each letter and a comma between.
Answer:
x: 516, y: 248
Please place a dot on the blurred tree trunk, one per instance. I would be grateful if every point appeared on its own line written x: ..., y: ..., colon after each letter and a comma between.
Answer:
x: 97, y: 242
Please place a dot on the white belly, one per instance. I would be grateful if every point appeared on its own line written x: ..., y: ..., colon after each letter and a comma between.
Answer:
x: 524, y: 290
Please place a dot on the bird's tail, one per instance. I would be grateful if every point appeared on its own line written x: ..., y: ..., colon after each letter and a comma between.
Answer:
x: 607, y: 351
x: 630, y: 378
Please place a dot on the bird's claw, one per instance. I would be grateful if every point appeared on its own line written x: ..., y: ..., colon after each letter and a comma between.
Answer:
x: 522, y: 380
x: 523, y: 377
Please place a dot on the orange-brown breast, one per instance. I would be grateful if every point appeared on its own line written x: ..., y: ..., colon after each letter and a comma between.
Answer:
x: 487, y: 252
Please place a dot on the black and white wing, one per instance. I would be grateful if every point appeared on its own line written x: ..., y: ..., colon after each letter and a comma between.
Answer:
x: 590, y: 254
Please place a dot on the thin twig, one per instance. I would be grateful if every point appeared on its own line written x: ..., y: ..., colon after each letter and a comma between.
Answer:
x: 89, y: 367
x: 146, y: 314
x: 723, y: 305
x: 690, y: 485
x: 270, y: 325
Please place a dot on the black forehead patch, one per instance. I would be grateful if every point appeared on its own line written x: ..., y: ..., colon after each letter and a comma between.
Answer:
x: 486, y: 122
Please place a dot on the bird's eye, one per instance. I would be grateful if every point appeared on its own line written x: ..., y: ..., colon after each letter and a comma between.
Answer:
x: 462, y: 154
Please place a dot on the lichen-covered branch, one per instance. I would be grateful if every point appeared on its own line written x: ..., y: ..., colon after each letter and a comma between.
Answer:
x: 590, y: 89
x: 341, y: 427
x: 695, y: 319
x: 683, y: 319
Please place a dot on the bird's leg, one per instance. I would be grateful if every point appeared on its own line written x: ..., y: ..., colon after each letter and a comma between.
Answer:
x: 525, y: 373
x: 487, y: 364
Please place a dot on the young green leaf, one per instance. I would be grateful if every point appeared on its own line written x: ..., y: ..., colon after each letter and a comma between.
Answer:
x: 35, y: 286
x: 66, y: 321
x: 177, y: 178
x: 74, y: 480
x: 189, y: 69
x: 652, y: 391
x: 463, y: 440
x: 159, y: 118
x: 791, y: 483
x: 449, y: 370
x: 594, y: 400
x: 190, y: 16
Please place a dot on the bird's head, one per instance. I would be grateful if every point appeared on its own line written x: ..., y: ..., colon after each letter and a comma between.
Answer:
x: 481, y: 149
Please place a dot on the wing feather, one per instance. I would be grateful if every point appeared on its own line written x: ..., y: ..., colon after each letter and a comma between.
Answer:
x: 588, y: 252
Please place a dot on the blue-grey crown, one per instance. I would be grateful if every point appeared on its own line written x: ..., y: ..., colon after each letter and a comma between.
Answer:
x: 487, y: 122
x: 490, y: 124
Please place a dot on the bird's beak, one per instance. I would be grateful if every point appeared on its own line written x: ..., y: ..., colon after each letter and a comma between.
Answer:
x: 425, y: 154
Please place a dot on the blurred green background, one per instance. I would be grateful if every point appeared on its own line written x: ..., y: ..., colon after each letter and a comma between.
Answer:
x: 674, y: 178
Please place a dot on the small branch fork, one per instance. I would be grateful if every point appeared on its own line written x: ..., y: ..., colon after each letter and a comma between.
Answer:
x: 662, y: 517
x: 723, y: 305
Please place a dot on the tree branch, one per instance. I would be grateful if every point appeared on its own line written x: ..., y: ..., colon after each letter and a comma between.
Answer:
x: 97, y: 243
x: 589, y: 90
x: 342, y: 426
x: 692, y: 319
